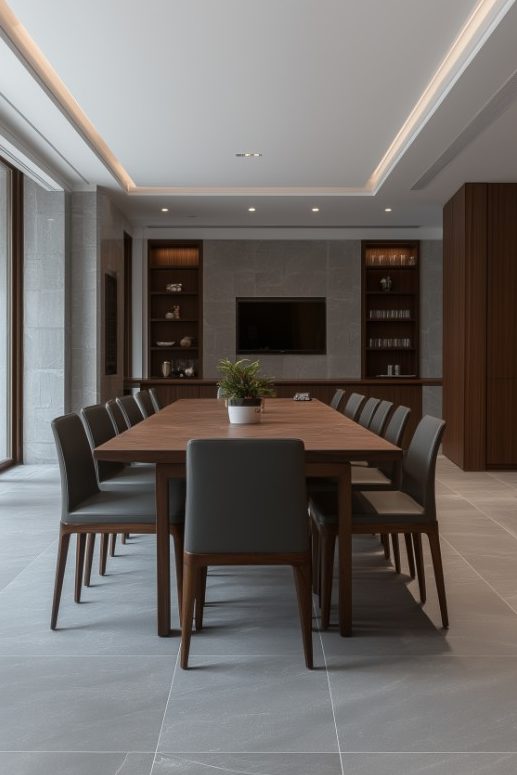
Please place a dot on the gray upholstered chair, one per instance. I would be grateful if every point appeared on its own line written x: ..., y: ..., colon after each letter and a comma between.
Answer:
x: 117, y: 418
x: 353, y: 405
x: 367, y: 412
x: 154, y: 398
x: 130, y: 409
x: 337, y: 399
x: 246, y: 505
x: 145, y: 404
x: 409, y: 510
x: 85, y: 509
x: 110, y: 475
x: 379, y: 419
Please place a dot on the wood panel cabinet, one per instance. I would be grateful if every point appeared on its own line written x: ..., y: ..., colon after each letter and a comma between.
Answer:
x: 480, y: 326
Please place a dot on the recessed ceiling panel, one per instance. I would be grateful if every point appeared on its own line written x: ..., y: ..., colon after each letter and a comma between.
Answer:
x: 176, y: 89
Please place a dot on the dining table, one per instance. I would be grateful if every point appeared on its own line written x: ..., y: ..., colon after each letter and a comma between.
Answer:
x: 332, y: 442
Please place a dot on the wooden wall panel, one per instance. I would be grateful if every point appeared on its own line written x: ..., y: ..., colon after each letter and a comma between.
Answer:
x: 454, y: 326
x: 501, y: 443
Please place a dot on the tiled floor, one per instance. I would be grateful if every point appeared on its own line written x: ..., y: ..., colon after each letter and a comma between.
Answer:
x: 103, y: 695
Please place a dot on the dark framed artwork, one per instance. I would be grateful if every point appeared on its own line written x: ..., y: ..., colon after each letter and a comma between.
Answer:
x: 110, y: 324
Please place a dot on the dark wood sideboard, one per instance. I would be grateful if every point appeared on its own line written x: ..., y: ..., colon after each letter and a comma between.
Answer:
x: 407, y: 392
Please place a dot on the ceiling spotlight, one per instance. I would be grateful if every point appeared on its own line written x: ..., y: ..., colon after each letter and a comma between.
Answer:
x: 248, y: 155
x: 315, y: 209
x: 165, y: 209
x: 387, y: 209
x: 251, y: 209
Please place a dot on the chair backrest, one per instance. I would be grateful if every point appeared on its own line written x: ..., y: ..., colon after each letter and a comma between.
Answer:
x: 367, y: 412
x: 394, y: 431
x: 116, y: 416
x: 337, y: 398
x: 145, y: 404
x: 353, y: 405
x: 419, y: 464
x: 246, y: 496
x: 99, y: 428
x: 130, y: 409
x: 380, y: 416
x: 154, y: 398
x: 78, y: 478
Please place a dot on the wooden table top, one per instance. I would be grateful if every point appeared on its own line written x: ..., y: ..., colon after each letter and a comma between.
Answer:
x: 326, y: 434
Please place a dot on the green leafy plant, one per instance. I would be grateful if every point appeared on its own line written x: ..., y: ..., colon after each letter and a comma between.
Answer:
x: 241, y: 380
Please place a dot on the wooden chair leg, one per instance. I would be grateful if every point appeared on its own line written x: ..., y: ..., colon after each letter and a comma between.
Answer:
x: 302, y: 580
x: 113, y: 543
x: 90, y: 547
x: 79, y: 565
x: 178, y: 537
x: 436, y: 554
x: 419, y: 563
x: 200, y: 596
x: 315, y: 543
x: 385, y: 541
x: 62, y: 554
x: 410, y: 554
x: 396, y: 551
x: 103, y: 555
x: 189, y: 595
x: 124, y: 537
x: 327, y: 544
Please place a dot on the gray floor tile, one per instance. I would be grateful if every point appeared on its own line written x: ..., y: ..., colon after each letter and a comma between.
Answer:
x: 82, y: 703
x: 37, y: 763
x: 425, y: 704
x: 430, y: 764
x: 253, y: 704
x: 248, y: 764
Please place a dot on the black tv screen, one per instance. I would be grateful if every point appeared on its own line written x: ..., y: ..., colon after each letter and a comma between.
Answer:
x: 281, y: 325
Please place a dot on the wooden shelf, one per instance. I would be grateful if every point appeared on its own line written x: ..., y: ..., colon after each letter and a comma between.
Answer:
x: 403, y: 295
x: 182, y: 263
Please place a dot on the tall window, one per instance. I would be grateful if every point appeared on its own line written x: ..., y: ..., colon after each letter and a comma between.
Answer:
x: 10, y: 314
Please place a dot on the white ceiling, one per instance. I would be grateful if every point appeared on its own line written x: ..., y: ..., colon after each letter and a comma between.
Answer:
x: 319, y: 87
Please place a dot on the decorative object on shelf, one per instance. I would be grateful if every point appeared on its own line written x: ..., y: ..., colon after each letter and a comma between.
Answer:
x: 186, y: 342
x: 174, y: 287
x: 244, y: 390
x: 169, y: 315
x: 166, y: 369
x: 385, y: 283
x: 176, y: 312
x: 165, y: 344
x: 189, y: 371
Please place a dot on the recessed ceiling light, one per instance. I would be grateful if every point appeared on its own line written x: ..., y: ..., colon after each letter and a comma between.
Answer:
x: 248, y: 155
x: 315, y: 209
x: 165, y: 209
x: 251, y: 209
x: 387, y: 209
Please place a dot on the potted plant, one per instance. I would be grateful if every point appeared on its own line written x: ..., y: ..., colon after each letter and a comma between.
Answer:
x: 243, y: 388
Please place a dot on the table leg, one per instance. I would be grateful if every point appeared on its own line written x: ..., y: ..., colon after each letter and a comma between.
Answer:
x: 345, y: 549
x: 163, y: 561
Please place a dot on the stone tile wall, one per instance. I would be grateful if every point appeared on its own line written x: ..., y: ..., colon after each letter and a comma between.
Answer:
x: 44, y: 388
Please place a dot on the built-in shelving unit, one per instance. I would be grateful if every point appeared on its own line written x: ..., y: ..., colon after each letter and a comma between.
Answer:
x: 390, y: 309
x: 180, y: 264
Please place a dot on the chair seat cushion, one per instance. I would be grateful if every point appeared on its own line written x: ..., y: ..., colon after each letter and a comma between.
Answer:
x: 128, y: 505
x: 177, y: 491
x: 369, y: 477
x: 131, y: 475
x: 368, y: 507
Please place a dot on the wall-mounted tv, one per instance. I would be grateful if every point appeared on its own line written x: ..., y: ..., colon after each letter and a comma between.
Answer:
x: 280, y: 325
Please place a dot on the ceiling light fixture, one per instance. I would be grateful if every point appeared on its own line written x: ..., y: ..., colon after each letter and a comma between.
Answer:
x: 251, y: 209
x: 248, y: 155
x: 387, y: 209
x: 165, y: 209
x: 315, y: 209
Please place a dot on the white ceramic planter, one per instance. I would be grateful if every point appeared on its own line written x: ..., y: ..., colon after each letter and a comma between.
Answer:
x: 244, y: 415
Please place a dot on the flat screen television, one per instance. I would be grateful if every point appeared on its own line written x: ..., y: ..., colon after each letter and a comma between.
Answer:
x: 280, y: 325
